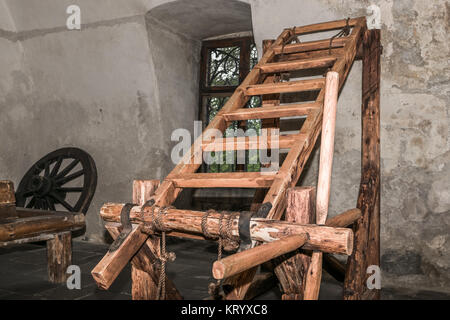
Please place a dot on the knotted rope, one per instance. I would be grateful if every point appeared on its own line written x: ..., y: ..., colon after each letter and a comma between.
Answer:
x: 343, y: 33
x: 225, y: 235
x: 164, y: 256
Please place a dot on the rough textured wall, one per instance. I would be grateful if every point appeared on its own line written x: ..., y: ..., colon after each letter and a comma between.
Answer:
x: 415, y: 145
x: 107, y: 89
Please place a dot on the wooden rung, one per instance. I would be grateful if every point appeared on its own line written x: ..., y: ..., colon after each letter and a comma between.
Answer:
x: 297, y: 64
x: 224, y: 180
x: 249, y: 143
x: 327, y: 26
x: 284, y: 87
x: 291, y: 110
x: 310, y: 46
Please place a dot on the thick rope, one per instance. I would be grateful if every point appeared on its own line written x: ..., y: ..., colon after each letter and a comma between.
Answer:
x: 343, y: 33
x: 165, y: 256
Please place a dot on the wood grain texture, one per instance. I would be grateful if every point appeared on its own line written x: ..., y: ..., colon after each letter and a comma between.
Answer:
x: 284, y: 87
x: 224, y: 180
x: 314, y: 275
x: 278, y: 111
x: 327, y: 239
x: 291, y: 269
x: 52, y: 222
x: 59, y: 257
x: 367, y: 229
x: 256, y: 256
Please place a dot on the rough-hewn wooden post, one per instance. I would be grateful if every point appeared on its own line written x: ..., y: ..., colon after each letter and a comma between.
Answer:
x: 367, y: 229
x: 59, y: 257
x: 291, y: 271
x: 7, y: 200
x: 142, y: 285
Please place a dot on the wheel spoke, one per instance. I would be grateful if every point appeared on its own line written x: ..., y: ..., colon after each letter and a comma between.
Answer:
x: 71, y: 189
x: 71, y: 177
x: 57, y: 166
x: 50, y: 203
x: 61, y: 201
x: 68, y: 168
x: 47, y: 169
x: 31, y: 203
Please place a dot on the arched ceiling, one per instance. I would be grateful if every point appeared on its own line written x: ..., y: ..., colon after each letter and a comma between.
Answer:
x: 200, y: 19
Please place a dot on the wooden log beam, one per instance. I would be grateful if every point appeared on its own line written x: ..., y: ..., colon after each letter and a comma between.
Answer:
x: 291, y: 270
x: 59, y: 257
x: 314, y: 274
x: 367, y: 229
x: 52, y: 222
x: 323, y: 238
x: 344, y: 219
x: 253, y: 257
x: 107, y: 270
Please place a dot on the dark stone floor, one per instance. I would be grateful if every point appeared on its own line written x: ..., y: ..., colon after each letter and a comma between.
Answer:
x: 23, y: 275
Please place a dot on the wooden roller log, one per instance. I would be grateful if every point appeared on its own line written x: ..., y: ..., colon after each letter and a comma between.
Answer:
x: 188, y: 223
x: 253, y: 257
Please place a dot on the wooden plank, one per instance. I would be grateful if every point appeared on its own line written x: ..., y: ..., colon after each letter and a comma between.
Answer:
x: 310, y: 46
x: 284, y: 66
x: 35, y: 226
x: 291, y: 270
x: 314, y: 275
x: 367, y: 229
x: 291, y: 110
x: 244, y: 260
x: 224, y: 180
x: 284, y: 87
x: 327, y: 26
x: 248, y: 143
x: 59, y: 257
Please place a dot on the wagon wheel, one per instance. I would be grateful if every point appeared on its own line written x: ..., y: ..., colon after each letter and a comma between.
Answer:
x: 65, y: 178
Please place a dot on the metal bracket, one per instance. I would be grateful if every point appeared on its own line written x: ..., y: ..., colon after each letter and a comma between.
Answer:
x: 126, y: 227
x: 244, y: 224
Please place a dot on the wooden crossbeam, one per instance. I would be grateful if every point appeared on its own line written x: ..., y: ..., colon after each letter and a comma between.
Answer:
x: 323, y: 238
x: 310, y: 46
x: 224, y: 180
x: 327, y: 26
x: 284, y: 66
x: 284, y: 87
x: 248, y: 143
x: 291, y: 110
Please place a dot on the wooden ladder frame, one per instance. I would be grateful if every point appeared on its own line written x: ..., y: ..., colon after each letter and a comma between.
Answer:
x: 143, y: 249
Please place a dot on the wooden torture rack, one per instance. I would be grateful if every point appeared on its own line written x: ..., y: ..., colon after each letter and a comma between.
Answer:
x: 25, y: 225
x: 287, y: 231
